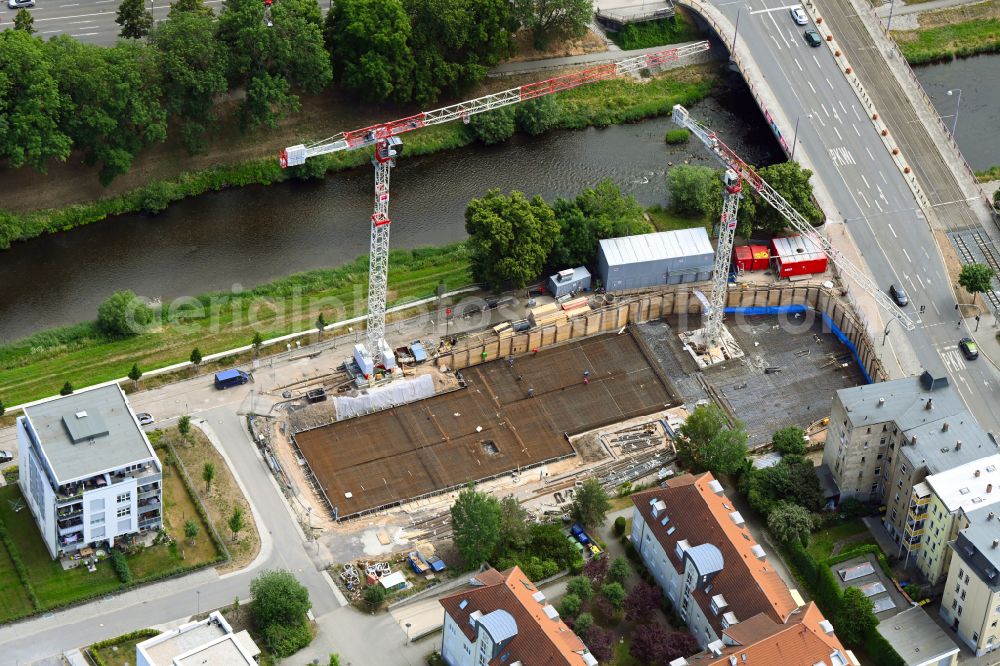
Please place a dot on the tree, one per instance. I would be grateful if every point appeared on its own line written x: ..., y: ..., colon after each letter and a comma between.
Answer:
x: 582, y: 623
x: 619, y: 527
x: 600, y: 643
x: 793, y: 479
x: 368, y: 44
x: 791, y: 522
x: 591, y: 504
x: 208, y: 474
x: 976, y: 278
x: 596, y: 570
x: 179, y: 7
x: 23, y: 20
x: 135, y: 374
x: 184, y: 426
x: 854, y: 619
x: 695, y: 190
x: 789, y: 440
x: 510, y: 237
x: 475, y: 523
x: 455, y: 42
x: 190, y: 531
x: 553, y: 19
x: 375, y: 595
x: 539, y: 115
x: 30, y: 100
x: 596, y: 213
x: 269, y: 97
x: 278, y: 598
x: 3, y: 409
x: 619, y: 570
x: 614, y: 593
x: 581, y: 587
x: 792, y: 182
x: 570, y: 605
x: 652, y: 644
x: 514, y: 521
x: 123, y: 315
x: 134, y: 19
x: 320, y: 323
x: 707, y: 442
x: 237, y: 521
x: 493, y: 126
x: 641, y: 601
x: 67, y: 389
x: 257, y: 342
x: 196, y: 356
x: 192, y: 70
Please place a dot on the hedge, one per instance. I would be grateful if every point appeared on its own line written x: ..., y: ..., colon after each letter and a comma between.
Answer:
x: 22, y: 571
x: 121, y: 568
x: 111, y: 642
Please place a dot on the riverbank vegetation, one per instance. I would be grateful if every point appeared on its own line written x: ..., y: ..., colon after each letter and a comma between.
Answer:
x: 957, y: 32
x: 678, y: 28
x: 987, y: 175
x: 599, y: 104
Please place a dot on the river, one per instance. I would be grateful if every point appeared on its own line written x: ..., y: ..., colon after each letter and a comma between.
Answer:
x: 978, y: 129
x: 254, y: 234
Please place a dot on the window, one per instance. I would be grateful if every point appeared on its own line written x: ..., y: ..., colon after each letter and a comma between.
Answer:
x: 878, y: 470
x: 124, y: 497
x: 975, y: 636
x: 894, y: 514
x: 957, y: 587
x: 97, y: 505
x: 900, y: 484
x: 124, y: 511
x: 97, y: 534
x: 881, y: 442
x: 961, y: 572
x: 959, y: 610
x: 954, y: 604
x: 862, y: 458
x: 963, y: 595
x: 879, y: 456
x: 966, y: 579
x: 97, y: 518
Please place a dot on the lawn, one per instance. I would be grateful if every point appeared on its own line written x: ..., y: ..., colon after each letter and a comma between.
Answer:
x: 622, y: 656
x: 55, y: 586
x: 119, y: 654
x: 821, y: 543
x: 956, y: 32
x: 665, y: 219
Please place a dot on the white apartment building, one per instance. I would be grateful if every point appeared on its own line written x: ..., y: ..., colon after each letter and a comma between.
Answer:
x: 87, y: 470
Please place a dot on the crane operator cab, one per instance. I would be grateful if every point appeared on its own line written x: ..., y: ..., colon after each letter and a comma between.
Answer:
x: 389, y: 149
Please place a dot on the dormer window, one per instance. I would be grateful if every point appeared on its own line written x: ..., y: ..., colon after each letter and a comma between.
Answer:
x: 718, y: 603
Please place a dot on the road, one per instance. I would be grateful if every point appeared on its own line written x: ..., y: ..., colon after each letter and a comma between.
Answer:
x: 90, y: 21
x: 870, y: 194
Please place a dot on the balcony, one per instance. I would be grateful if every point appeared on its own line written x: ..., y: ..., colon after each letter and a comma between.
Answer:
x: 70, y: 527
x: 916, y: 513
x: 72, y: 511
x: 149, y: 492
x: 915, y: 527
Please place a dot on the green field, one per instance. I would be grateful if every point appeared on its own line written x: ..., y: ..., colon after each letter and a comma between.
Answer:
x: 665, y: 219
x: 958, y: 40
x: 821, y: 542
x: 56, y: 587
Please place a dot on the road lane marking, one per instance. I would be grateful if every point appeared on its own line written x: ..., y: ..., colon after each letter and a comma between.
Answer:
x: 892, y: 230
x: 907, y: 257
x: 841, y: 156
x: 74, y: 4
x: 953, y: 360
x: 883, y: 178
x: 869, y: 153
x: 838, y: 134
x: 934, y: 305
x: 811, y: 87
x: 816, y: 60
x: 862, y: 194
x: 85, y: 34
x: 63, y: 18
x: 829, y: 84
x: 776, y: 42
x: 866, y: 181
x: 823, y: 106
x: 855, y: 110
x: 844, y: 108
x: 778, y: 28
x: 798, y: 65
x: 772, y: 9
x: 82, y: 22
x: 879, y: 206
x: 855, y: 129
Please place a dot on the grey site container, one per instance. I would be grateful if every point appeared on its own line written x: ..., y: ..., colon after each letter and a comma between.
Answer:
x: 569, y: 281
x: 667, y: 257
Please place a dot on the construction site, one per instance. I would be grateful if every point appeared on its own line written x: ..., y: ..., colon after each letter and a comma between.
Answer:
x: 503, y: 417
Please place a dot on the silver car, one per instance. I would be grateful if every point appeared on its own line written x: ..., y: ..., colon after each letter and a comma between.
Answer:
x: 798, y: 15
x: 20, y: 4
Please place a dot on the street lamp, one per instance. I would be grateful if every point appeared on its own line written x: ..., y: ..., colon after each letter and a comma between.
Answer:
x: 958, y: 104
x: 198, y: 592
x: 888, y: 25
x: 407, y: 632
x: 885, y: 333
x: 795, y: 138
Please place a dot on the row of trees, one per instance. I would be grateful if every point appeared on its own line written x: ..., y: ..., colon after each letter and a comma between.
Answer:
x: 111, y: 103
x: 512, y: 238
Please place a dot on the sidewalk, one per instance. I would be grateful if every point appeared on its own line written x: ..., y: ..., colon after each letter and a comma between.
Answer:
x: 918, y: 8
x: 510, y: 68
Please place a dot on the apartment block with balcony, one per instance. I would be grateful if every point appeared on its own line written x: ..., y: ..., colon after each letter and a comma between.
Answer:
x: 971, y: 601
x: 937, y: 510
x: 718, y: 578
x: 87, y: 470
x: 886, y: 438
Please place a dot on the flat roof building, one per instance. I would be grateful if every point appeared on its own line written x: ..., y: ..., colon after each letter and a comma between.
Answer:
x: 88, y: 472
x: 918, y: 639
x: 971, y: 601
x: 667, y: 257
x: 209, y: 641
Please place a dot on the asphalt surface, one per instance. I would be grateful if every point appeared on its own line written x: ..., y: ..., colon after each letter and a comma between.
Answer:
x: 870, y: 193
x: 90, y: 21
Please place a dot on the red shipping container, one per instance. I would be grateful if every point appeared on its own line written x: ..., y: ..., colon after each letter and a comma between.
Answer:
x: 761, y: 257
x: 743, y: 258
x: 798, y: 255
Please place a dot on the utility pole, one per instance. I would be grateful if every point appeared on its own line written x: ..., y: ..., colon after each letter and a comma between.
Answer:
x: 958, y: 105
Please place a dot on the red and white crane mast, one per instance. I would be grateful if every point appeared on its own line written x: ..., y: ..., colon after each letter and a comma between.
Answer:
x: 384, y: 138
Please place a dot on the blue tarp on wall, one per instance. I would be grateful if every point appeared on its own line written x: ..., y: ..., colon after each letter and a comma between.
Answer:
x: 795, y: 309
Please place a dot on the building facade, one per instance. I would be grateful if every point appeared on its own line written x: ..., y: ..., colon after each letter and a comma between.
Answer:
x: 502, y: 619
x: 971, y: 601
x: 87, y: 471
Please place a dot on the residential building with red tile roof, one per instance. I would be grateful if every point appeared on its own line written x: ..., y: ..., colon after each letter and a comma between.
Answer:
x: 502, y: 619
x: 698, y: 548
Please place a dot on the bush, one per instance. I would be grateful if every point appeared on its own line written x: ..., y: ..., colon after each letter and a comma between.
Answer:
x: 853, y: 508
x: 374, y: 596
x: 789, y: 440
x: 614, y: 593
x: 679, y: 135
x: 620, y: 525
x: 581, y: 587
x: 538, y: 115
x: 582, y: 623
x: 123, y: 315
x: 570, y: 605
x: 120, y: 567
x: 284, y: 640
x: 619, y: 570
x: 493, y: 126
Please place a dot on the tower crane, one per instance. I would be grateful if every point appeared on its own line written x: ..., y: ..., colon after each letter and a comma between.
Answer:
x: 387, y: 145
x: 737, y: 172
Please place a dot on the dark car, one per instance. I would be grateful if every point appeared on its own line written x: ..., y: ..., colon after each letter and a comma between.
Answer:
x: 812, y: 38
x: 898, y: 295
x: 6, y: 456
x: 969, y: 348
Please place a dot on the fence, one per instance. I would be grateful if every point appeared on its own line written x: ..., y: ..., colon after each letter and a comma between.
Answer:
x: 671, y: 302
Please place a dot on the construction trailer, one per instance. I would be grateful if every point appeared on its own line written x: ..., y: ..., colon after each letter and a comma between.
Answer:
x: 569, y: 281
x: 648, y: 260
x: 797, y: 255
x: 751, y: 257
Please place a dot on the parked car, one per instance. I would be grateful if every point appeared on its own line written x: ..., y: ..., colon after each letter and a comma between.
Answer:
x: 798, y: 15
x: 6, y: 456
x: 144, y: 418
x: 812, y: 38
x: 232, y: 377
x: 969, y: 348
x: 898, y: 295
x: 20, y: 4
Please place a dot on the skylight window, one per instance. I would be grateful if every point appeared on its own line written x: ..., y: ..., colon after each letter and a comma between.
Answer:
x: 964, y: 491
